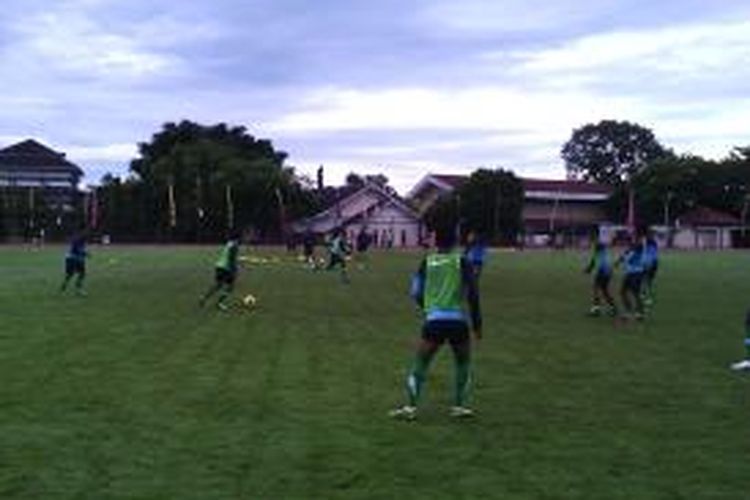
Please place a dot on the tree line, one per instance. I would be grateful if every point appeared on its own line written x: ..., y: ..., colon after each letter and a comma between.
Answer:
x: 195, y: 183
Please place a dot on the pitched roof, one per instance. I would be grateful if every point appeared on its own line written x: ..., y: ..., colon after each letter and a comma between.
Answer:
x: 565, y: 186
x: 571, y: 187
x: 330, y: 212
x: 705, y: 216
x: 33, y: 155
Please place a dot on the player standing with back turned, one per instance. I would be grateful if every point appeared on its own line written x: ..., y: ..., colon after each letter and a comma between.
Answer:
x: 444, y: 282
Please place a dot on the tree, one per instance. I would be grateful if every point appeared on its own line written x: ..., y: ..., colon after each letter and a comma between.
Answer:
x: 489, y: 202
x: 193, y: 182
x: 610, y: 152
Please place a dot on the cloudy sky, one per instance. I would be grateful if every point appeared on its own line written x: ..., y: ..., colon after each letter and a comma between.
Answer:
x: 402, y: 87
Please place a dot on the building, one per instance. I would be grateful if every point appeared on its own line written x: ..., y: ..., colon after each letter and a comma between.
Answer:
x: 389, y: 220
x: 551, y: 207
x: 30, y: 165
x: 704, y: 228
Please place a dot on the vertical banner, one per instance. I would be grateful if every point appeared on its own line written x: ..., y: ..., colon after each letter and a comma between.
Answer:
x: 85, y: 205
x: 230, y: 207
x: 172, y: 204
x: 94, y: 211
x: 282, y: 213
x: 31, y: 208
x: 631, y: 210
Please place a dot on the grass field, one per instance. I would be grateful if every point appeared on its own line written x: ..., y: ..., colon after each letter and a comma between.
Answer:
x: 133, y: 392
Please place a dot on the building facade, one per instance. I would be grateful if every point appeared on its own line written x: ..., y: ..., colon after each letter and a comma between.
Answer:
x: 38, y: 190
x: 388, y: 220
x: 31, y: 165
x: 552, y: 209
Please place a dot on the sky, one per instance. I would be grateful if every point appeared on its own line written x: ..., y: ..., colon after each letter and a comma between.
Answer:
x: 400, y: 87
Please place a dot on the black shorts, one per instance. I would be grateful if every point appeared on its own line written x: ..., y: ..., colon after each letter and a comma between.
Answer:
x: 75, y: 266
x: 602, y: 279
x: 224, y: 276
x: 651, y: 270
x: 632, y: 282
x: 456, y: 332
x: 336, y: 260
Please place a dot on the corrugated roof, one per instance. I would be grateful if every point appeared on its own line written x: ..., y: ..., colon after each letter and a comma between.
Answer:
x: 705, y: 216
x: 30, y: 154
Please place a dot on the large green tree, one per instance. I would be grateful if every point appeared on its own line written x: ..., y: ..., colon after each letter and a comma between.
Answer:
x: 610, y: 152
x: 194, y: 182
x: 489, y: 202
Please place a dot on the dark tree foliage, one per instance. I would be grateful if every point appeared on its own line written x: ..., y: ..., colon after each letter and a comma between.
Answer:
x: 610, y: 152
x: 489, y: 203
x: 222, y: 179
x: 673, y: 185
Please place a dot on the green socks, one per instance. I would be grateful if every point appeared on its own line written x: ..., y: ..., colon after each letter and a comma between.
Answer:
x: 416, y: 378
x: 463, y: 381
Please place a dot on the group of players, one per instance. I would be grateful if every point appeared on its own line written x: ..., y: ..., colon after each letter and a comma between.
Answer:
x: 446, y: 288
x: 640, y: 261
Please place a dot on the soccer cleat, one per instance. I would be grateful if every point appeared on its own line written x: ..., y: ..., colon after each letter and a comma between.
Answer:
x: 595, y: 311
x: 222, y: 306
x: 461, y: 412
x: 741, y: 366
x: 404, y: 413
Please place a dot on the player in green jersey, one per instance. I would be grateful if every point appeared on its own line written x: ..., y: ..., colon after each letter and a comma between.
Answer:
x: 338, y: 250
x: 225, y: 273
x: 444, y: 283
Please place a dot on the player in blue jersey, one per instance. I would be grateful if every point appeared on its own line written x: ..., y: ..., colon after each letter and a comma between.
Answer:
x: 601, y: 264
x: 651, y: 266
x: 630, y: 290
x: 75, y: 264
x: 475, y: 253
x: 443, y: 285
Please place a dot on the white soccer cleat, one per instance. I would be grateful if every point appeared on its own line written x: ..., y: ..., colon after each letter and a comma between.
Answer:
x: 461, y: 412
x: 404, y: 413
x: 741, y: 366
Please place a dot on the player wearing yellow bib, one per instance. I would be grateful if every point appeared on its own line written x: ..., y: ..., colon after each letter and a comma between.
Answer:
x: 444, y: 283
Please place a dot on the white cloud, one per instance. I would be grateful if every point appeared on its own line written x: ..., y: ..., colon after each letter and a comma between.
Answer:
x: 693, y: 50
x: 509, y: 16
x: 479, y: 108
x: 106, y: 153
x: 74, y: 43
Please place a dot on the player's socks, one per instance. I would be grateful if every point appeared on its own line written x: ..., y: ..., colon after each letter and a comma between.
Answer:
x: 416, y: 378
x: 463, y: 381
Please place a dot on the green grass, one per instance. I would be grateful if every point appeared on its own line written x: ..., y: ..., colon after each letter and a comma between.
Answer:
x: 133, y: 392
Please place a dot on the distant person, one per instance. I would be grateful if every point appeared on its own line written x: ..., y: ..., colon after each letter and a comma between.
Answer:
x: 651, y: 266
x: 225, y: 273
x: 630, y: 290
x: 444, y: 283
x: 338, y: 250
x: 364, y: 240
x: 744, y: 365
x: 75, y: 263
x: 601, y: 264
x: 475, y: 253
x: 308, y: 249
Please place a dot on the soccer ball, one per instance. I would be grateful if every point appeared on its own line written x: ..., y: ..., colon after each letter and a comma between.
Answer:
x: 249, y: 300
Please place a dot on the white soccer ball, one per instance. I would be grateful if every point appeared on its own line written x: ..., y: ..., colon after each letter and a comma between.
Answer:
x: 249, y: 300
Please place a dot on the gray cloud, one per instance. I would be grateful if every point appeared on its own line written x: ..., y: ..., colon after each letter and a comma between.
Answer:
x: 396, y: 86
